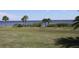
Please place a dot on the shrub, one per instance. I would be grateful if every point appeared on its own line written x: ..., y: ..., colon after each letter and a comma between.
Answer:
x: 28, y: 25
x: 59, y: 25
x: 17, y: 25
x: 63, y: 25
x: 51, y: 25
x: 35, y: 25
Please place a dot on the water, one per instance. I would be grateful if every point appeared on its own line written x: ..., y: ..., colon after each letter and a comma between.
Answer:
x: 11, y: 23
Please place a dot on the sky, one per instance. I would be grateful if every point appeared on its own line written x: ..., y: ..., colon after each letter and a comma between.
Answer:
x: 39, y: 14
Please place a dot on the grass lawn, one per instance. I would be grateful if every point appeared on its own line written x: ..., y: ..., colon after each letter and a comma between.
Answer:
x: 33, y: 37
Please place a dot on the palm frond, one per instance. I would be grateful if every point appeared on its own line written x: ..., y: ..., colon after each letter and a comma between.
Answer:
x: 74, y: 24
x: 76, y: 19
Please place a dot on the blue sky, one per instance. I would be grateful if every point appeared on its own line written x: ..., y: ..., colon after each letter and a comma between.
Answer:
x: 40, y: 14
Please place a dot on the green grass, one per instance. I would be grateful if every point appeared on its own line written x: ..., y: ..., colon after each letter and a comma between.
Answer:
x: 33, y: 37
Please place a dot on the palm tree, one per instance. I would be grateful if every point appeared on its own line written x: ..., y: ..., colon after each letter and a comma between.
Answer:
x: 49, y: 20
x: 46, y: 21
x: 76, y: 22
x: 24, y: 20
x: 5, y: 19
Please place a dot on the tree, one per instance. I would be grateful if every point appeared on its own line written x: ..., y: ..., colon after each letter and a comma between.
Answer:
x: 5, y: 19
x: 24, y: 20
x: 46, y: 21
x: 76, y: 22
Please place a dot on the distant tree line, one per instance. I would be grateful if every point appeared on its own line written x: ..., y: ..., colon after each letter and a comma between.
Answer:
x: 45, y: 22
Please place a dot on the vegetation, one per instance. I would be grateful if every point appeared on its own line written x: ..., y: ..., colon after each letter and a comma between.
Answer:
x: 76, y: 23
x: 35, y: 25
x: 59, y: 25
x: 68, y: 42
x: 52, y: 35
x: 5, y: 19
x: 51, y: 25
x: 46, y: 21
x: 17, y: 25
x: 63, y: 25
x: 24, y: 20
x: 33, y: 37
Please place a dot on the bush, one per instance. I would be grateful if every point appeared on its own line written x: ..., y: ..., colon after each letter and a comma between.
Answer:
x: 17, y: 25
x: 35, y: 25
x: 63, y: 25
x: 51, y: 25
x: 28, y: 25
x: 59, y: 25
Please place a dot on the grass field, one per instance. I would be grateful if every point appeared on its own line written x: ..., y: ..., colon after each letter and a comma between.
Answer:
x: 33, y: 37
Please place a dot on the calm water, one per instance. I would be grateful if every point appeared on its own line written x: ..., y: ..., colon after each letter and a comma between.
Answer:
x: 11, y: 23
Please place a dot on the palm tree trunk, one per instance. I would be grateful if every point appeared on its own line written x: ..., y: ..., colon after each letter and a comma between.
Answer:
x: 48, y: 24
x: 45, y: 24
x: 5, y: 23
x: 23, y: 23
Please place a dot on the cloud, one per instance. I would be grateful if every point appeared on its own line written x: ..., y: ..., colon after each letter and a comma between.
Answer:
x: 11, y: 16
